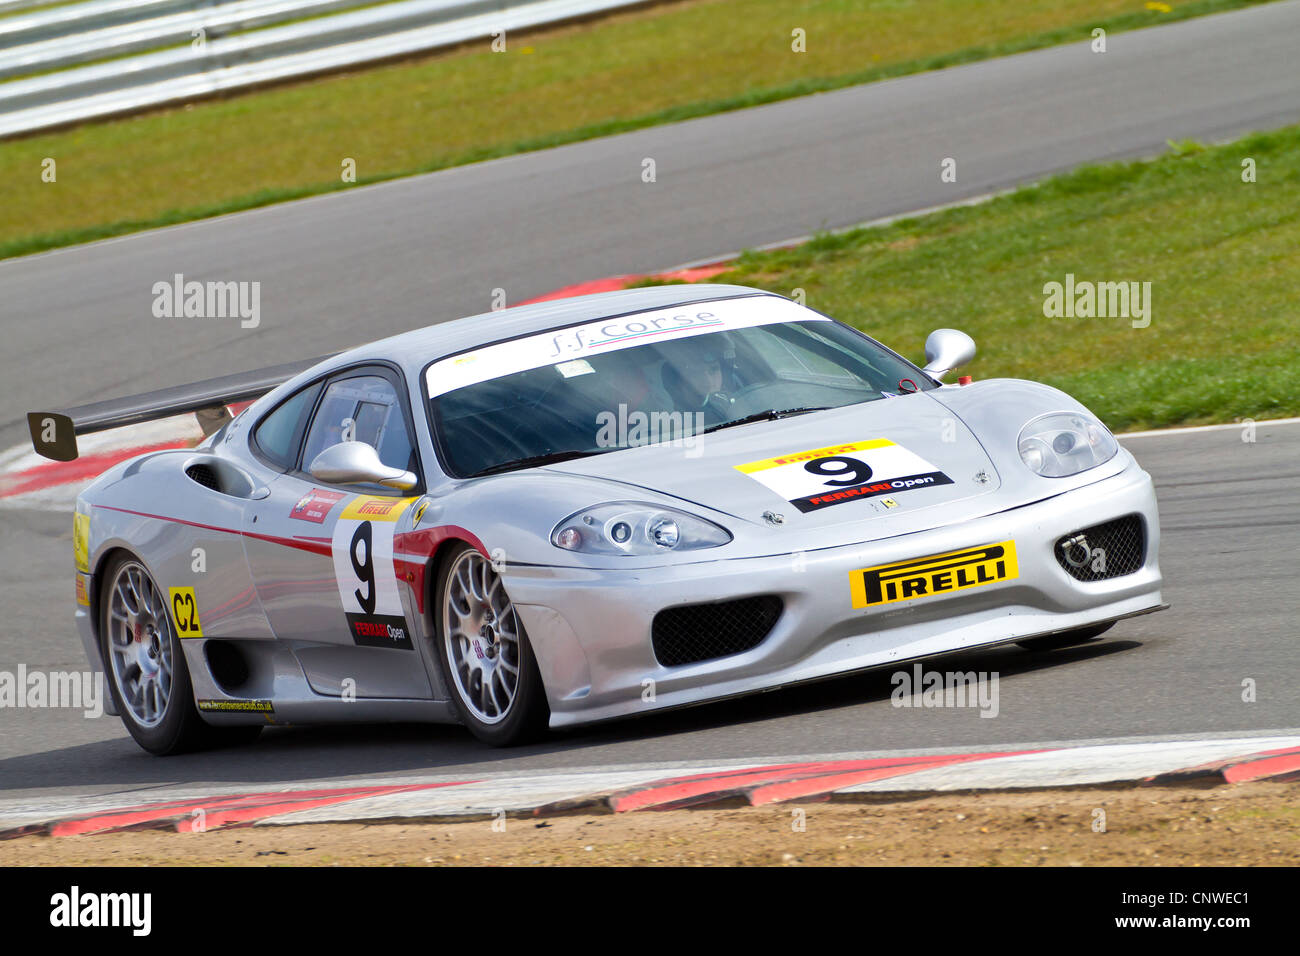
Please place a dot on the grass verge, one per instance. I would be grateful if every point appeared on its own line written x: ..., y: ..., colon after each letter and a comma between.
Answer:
x: 624, y: 72
x: 1222, y: 256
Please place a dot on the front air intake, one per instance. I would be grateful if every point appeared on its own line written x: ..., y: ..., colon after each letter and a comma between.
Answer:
x: 1108, y: 550
x: 702, y: 632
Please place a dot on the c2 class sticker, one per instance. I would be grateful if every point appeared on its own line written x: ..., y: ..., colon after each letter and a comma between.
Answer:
x: 185, y: 612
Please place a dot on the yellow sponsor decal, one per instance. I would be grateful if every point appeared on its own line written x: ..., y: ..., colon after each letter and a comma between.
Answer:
x: 936, y: 574
x: 81, y: 542
x: 83, y: 599
x: 185, y: 613
x: 374, y: 508
x: 812, y: 454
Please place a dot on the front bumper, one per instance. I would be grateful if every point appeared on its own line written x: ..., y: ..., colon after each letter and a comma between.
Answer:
x: 591, y: 630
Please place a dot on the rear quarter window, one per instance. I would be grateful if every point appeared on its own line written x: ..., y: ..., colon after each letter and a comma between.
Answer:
x: 277, y: 433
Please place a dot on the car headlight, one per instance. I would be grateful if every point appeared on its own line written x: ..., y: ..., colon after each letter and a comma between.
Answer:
x: 1065, y: 443
x: 629, y: 527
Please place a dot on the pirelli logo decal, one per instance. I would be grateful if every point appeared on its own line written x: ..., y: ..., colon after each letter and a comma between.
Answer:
x: 371, y: 508
x: 936, y: 574
x: 813, y: 454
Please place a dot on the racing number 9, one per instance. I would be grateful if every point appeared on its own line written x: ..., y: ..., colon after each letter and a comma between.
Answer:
x: 365, y: 569
x: 842, y: 470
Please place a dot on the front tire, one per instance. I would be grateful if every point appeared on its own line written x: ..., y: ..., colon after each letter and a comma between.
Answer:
x: 486, y: 659
x: 145, y: 667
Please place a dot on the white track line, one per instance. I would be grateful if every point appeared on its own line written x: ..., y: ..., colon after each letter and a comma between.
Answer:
x: 1258, y: 423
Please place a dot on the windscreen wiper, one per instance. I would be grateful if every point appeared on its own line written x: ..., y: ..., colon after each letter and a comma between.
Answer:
x: 533, y: 461
x: 771, y: 415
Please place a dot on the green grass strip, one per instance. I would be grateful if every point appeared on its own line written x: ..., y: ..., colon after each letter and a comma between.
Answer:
x: 626, y: 72
x: 1222, y: 256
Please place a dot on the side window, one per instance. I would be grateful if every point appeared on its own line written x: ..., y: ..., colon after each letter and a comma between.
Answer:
x: 276, y: 432
x: 363, y: 408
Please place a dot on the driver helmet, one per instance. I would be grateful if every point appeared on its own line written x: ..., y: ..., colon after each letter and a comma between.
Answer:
x: 697, y: 367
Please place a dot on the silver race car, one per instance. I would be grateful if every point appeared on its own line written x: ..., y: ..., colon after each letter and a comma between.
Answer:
x: 586, y: 509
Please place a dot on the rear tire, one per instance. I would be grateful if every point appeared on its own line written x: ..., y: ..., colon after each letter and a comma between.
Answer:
x: 1080, y: 635
x: 485, y: 656
x: 145, y: 668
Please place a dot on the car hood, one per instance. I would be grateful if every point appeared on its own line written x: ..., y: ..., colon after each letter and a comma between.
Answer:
x: 916, y: 453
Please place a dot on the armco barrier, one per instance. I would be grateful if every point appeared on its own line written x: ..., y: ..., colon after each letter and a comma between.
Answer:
x: 298, y: 49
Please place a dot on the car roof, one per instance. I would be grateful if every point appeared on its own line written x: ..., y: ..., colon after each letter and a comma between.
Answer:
x: 413, y: 350
x: 417, y: 348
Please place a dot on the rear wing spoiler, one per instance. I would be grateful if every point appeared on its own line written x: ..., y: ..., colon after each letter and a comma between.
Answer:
x: 54, y: 434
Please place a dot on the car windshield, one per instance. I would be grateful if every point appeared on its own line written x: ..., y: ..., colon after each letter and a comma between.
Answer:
x: 658, y: 384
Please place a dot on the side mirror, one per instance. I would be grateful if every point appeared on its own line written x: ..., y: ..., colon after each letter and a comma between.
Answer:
x: 354, y: 463
x: 945, y: 350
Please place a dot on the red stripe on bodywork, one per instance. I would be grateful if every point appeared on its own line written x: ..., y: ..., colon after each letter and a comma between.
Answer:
x: 313, y: 545
x: 411, y: 551
x: 319, y: 546
x: 411, y: 542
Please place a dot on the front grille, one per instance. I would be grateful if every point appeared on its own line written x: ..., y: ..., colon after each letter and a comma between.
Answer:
x: 701, y: 632
x: 205, y: 475
x: 1108, y: 550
